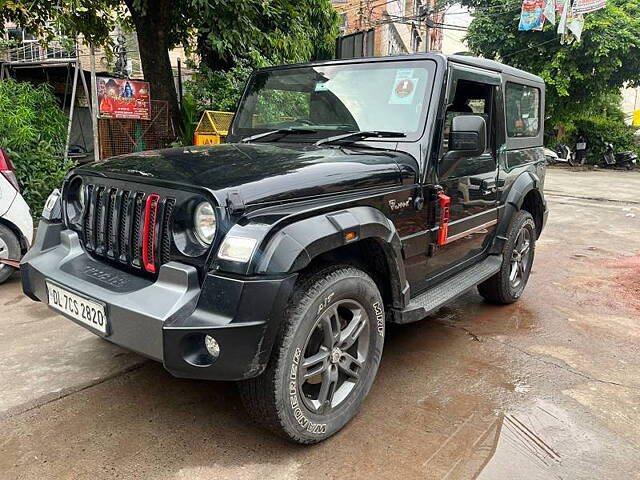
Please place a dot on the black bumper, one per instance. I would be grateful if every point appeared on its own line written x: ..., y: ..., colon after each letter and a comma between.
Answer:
x: 167, y: 319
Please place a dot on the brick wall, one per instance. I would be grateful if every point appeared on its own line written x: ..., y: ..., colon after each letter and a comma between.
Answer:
x: 390, y: 36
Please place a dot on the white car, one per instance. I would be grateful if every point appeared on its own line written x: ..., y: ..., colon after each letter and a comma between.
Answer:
x: 16, y: 224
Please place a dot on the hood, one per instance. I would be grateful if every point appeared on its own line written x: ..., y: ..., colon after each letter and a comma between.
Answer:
x: 261, y: 173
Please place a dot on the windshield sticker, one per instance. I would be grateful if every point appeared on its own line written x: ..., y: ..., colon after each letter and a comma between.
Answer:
x: 322, y: 87
x: 404, y: 88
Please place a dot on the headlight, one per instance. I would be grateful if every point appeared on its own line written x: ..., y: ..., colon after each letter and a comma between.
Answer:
x: 237, y: 249
x: 204, y: 223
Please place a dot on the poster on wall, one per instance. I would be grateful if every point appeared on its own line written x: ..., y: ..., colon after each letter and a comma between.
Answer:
x: 123, y: 98
x: 531, y: 17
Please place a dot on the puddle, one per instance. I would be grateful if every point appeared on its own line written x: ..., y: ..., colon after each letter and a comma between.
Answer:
x: 535, y: 444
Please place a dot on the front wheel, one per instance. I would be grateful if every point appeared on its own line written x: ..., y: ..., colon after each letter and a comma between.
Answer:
x: 507, y: 285
x: 325, y: 358
x: 9, y: 250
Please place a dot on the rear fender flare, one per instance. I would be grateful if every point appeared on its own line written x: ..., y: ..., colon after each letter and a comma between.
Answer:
x: 295, y: 246
x: 526, y: 182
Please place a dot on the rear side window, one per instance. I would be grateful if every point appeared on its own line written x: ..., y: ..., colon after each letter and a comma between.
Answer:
x: 523, y: 110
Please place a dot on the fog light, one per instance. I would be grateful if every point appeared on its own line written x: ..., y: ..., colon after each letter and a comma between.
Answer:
x: 212, y: 346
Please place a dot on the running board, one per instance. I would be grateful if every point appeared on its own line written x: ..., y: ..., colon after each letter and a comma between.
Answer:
x: 441, y: 294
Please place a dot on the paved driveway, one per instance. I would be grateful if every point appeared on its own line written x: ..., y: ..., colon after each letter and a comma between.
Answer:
x: 546, y: 388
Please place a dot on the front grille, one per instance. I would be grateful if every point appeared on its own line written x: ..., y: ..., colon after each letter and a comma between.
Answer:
x: 128, y: 226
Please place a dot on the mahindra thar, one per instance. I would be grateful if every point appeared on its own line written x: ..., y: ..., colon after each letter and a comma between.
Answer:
x: 351, y: 193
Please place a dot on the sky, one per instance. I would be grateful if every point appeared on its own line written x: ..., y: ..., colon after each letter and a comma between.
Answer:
x: 453, y: 39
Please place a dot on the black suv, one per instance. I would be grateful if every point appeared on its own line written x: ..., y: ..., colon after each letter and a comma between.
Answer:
x: 351, y: 193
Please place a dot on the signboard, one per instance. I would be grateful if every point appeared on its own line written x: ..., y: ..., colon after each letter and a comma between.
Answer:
x: 123, y: 98
x: 636, y: 118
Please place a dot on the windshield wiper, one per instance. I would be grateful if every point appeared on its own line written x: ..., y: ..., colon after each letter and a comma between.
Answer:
x: 356, y: 136
x: 280, y: 131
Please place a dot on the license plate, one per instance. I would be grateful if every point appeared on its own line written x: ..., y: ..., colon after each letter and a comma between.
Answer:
x: 87, y: 311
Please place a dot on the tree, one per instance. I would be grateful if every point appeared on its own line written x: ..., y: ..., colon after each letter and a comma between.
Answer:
x: 268, y: 33
x: 577, y: 74
x: 227, y: 31
x: 32, y: 131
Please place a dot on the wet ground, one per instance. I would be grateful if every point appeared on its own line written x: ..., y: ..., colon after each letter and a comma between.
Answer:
x: 546, y: 388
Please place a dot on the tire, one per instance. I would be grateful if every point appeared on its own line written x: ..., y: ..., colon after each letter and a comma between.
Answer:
x: 9, y: 249
x: 503, y: 287
x: 292, y: 408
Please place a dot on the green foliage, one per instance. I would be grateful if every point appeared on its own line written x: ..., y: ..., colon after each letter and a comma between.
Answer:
x: 94, y: 19
x: 218, y: 90
x: 189, y: 116
x: 578, y: 75
x: 236, y: 37
x: 600, y: 130
x: 33, y: 129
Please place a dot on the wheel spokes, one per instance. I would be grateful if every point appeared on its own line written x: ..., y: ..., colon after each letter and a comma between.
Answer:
x: 350, y: 365
x: 330, y: 323
x: 327, y: 388
x: 315, y: 364
x: 352, y: 331
x: 327, y: 373
x: 515, y: 266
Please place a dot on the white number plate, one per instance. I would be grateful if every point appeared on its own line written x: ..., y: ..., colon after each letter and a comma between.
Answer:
x: 86, y: 311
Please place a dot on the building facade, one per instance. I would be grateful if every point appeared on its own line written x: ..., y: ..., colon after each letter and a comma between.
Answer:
x: 383, y: 27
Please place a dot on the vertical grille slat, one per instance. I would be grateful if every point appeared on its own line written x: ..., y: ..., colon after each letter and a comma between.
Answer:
x: 114, y: 226
x: 98, y: 233
x: 136, y: 239
x: 111, y: 212
x: 88, y: 218
x: 124, y: 227
x: 165, y: 232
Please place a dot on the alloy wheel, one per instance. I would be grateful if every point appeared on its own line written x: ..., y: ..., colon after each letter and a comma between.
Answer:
x: 335, y: 353
x: 520, y: 258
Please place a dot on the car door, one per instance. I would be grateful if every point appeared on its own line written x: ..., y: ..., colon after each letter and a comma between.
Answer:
x: 471, y: 185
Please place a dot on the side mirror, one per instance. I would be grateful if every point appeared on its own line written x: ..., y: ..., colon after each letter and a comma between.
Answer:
x: 467, y: 139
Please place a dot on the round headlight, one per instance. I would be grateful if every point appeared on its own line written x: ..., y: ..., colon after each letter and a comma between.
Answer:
x: 204, y: 222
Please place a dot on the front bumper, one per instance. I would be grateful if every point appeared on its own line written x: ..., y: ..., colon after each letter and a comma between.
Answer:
x: 167, y: 319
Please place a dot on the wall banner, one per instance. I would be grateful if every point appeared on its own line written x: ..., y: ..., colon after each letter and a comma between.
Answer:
x: 123, y: 98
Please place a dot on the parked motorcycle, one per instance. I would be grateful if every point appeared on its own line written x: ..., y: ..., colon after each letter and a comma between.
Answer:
x: 561, y: 154
x: 612, y: 159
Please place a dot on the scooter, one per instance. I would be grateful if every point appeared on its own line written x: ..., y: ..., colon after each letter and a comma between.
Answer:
x: 612, y: 159
x: 561, y: 154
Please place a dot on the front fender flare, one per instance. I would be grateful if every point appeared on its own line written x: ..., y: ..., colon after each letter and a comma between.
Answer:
x: 295, y: 246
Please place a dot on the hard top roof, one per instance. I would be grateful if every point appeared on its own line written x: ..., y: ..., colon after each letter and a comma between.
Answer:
x: 495, y: 66
x: 461, y: 59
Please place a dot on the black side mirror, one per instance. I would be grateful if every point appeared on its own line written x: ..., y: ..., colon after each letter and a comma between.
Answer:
x: 467, y: 139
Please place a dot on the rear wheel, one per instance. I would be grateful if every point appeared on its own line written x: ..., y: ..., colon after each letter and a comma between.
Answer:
x: 507, y: 285
x: 325, y: 358
x: 9, y: 250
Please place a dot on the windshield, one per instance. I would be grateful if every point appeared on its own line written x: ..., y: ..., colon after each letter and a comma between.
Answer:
x: 333, y: 99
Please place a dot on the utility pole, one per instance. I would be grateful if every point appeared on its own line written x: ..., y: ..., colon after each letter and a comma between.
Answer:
x: 94, y: 104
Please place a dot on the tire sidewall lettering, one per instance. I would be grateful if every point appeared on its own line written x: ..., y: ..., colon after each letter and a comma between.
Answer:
x: 296, y: 409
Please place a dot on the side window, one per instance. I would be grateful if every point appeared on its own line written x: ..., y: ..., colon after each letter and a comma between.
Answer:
x: 470, y: 98
x: 523, y: 110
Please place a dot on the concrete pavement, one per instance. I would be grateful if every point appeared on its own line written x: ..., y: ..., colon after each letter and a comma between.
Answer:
x: 545, y: 388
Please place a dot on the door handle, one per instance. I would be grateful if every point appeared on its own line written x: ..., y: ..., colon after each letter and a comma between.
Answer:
x: 488, y: 186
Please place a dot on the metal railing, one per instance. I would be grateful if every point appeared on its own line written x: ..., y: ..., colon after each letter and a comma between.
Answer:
x: 33, y: 51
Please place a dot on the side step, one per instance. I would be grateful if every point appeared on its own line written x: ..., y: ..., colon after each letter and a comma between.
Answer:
x: 442, y: 293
